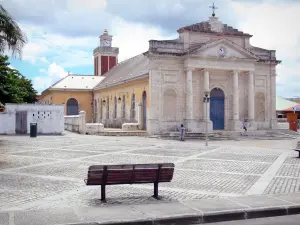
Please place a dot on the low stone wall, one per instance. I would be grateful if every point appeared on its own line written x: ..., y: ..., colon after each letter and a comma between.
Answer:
x: 130, y: 126
x: 94, y: 128
x: 76, y: 123
x: 72, y: 123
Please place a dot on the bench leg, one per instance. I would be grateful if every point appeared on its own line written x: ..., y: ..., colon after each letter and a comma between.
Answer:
x: 155, y: 190
x: 103, y: 197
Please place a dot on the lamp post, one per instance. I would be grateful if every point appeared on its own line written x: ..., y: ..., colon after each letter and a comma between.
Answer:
x: 206, y: 100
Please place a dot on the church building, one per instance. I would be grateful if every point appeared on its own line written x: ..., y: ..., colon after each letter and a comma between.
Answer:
x: 210, y: 77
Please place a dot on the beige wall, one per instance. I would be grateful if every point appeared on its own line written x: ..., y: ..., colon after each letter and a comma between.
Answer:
x: 137, y: 87
x: 84, y: 99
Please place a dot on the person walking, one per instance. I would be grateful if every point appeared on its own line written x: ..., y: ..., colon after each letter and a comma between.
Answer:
x: 245, y: 126
x: 182, y: 132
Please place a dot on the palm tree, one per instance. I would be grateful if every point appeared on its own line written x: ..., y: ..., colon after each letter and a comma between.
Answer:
x: 11, y: 36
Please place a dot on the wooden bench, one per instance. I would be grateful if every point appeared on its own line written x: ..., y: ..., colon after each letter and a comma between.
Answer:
x: 297, y: 149
x: 129, y: 174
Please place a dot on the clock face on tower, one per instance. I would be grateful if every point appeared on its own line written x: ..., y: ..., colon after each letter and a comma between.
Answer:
x: 106, y: 43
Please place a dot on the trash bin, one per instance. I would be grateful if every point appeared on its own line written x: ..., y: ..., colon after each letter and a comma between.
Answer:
x: 33, y: 129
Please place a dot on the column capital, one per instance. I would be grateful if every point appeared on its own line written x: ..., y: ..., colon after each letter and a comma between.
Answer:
x: 237, y: 72
x: 250, y: 72
x: 189, y: 69
x: 207, y: 70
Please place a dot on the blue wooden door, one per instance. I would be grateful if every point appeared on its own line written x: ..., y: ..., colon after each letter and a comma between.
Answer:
x: 217, y: 109
x: 72, y: 107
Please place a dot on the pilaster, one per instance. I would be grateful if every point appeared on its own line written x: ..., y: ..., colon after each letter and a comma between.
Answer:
x: 235, y: 123
x: 251, y: 124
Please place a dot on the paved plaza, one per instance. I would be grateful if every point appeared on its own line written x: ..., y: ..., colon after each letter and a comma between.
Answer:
x: 48, y: 171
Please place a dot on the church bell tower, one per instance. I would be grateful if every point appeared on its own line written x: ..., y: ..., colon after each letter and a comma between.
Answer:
x: 105, y: 56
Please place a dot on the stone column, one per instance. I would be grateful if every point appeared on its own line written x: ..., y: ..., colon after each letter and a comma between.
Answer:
x: 189, y: 94
x: 236, y: 113
x: 251, y: 122
x: 236, y: 123
x: 190, y: 121
x: 206, y: 111
x: 250, y: 96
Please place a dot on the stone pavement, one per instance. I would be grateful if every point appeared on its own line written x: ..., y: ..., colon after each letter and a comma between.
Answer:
x: 48, y: 171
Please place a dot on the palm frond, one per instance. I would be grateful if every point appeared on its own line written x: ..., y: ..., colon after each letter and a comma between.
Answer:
x: 11, y: 36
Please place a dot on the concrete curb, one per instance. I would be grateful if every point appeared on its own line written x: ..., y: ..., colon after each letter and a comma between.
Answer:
x: 210, y: 217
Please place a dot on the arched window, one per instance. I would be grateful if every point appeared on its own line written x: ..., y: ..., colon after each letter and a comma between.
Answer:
x: 132, y: 110
x: 115, y: 107
x: 123, y: 107
x: 101, y: 109
x: 72, y: 107
x: 95, y: 111
x: 107, y: 108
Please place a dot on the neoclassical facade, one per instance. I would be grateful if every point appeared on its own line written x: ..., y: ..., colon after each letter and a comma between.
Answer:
x: 165, y: 86
x: 207, y: 57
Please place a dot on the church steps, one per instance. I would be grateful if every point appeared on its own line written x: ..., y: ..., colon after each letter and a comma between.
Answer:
x: 233, y: 135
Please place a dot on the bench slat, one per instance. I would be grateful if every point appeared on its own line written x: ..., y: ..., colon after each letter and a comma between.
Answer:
x: 130, y: 173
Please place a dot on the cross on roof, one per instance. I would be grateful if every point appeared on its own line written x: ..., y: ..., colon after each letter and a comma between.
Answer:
x: 213, y: 7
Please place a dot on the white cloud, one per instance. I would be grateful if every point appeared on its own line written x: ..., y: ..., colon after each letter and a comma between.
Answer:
x: 133, y: 39
x: 46, y: 47
x: 78, y: 5
x: 53, y: 74
x: 275, y: 26
x: 61, y: 52
x: 10, y: 66
x: 43, y: 59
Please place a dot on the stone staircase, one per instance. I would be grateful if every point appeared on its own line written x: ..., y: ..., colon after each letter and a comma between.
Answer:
x: 233, y: 135
x: 198, y: 136
x: 120, y: 132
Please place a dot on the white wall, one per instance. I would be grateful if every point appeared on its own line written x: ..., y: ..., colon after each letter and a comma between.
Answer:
x: 49, y: 118
x: 7, y: 123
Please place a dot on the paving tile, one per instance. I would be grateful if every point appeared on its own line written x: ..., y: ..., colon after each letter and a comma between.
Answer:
x: 209, y: 205
x: 161, y: 210
x: 49, y: 217
x: 106, y: 214
x: 258, y: 201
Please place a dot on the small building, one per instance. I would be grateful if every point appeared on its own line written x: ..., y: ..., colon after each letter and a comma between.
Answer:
x: 75, y: 92
x: 16, y: 118
x: 288, y: 111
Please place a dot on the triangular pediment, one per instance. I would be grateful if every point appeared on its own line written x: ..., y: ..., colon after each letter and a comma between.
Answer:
x: 222, y: 48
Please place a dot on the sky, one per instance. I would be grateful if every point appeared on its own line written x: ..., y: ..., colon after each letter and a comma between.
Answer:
x: 63, y: 33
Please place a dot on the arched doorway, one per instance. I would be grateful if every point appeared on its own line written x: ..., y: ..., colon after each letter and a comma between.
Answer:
x: 217, y: 108
x: 72, y: 107
x: 144, y: 110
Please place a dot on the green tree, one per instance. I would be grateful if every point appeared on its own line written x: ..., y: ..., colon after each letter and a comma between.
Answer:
x: 11, y: 36
x: 14, y: 87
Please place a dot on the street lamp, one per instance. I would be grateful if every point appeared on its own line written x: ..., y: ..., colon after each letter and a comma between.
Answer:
x: 206, y: 100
